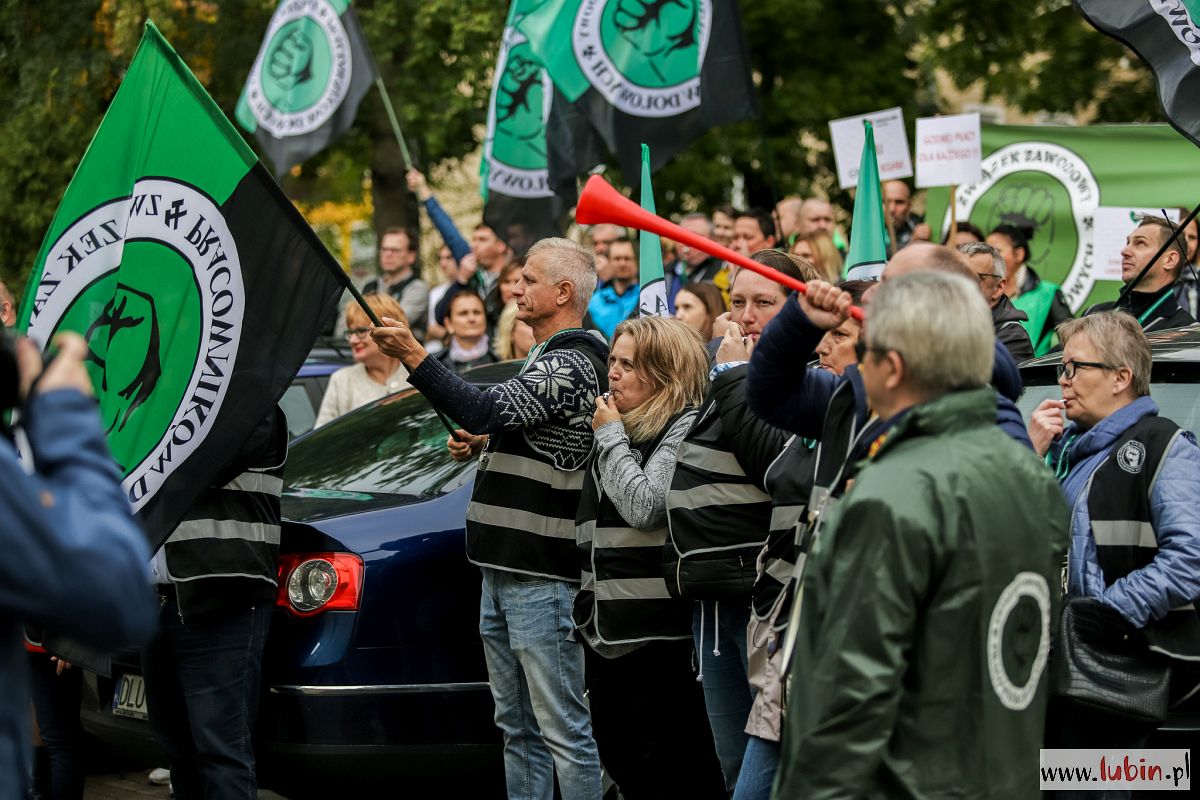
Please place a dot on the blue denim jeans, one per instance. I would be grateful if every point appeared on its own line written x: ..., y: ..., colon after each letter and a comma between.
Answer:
x: 56, y: 705
x: 202, y: 686
x: 721, y: 628
x: 535, y: 666
x: 758, y: 770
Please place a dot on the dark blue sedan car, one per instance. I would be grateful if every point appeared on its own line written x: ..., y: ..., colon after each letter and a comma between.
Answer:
x: 374, y: 674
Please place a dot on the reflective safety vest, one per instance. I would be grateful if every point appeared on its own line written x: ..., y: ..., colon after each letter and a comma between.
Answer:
x: 624, y: 597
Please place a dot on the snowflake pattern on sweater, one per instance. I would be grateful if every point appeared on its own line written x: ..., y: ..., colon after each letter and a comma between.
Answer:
x: 551, y: 402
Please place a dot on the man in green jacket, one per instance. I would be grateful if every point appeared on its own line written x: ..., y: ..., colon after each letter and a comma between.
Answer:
x: 920, y: 661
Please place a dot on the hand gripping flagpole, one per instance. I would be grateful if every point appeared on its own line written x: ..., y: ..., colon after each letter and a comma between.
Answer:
x: 599, y: 203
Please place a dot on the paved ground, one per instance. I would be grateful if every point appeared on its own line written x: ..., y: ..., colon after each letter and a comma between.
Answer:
x: 134, y: 786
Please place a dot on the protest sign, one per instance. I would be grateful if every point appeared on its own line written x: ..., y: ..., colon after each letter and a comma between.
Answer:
x: 891, y: 146
x: 949, y: 150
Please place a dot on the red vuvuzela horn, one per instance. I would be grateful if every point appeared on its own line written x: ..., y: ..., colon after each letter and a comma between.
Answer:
x: 600, y: 203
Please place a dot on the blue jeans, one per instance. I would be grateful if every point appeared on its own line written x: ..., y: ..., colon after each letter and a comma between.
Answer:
x: 725, y: 678
x: 758, y: 770
x: 56, y: 705
x: 535, y: 666
x: 202, y: 687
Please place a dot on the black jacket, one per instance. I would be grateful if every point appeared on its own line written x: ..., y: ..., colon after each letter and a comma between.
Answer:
x: 1007, y: 319
x: 1156, y: 311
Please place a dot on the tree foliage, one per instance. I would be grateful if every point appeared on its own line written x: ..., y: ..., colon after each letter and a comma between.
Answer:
x: 61, y: 62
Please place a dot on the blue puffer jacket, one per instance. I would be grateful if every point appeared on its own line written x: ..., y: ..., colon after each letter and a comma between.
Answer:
x: 1172, y: 579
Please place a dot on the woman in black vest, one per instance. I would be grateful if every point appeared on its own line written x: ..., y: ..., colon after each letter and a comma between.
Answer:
x: 648, y: 712
x: 1133, y: 481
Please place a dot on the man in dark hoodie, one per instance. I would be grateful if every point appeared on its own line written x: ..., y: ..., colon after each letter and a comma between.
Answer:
x: 988, y: 265
x: 533, y: 435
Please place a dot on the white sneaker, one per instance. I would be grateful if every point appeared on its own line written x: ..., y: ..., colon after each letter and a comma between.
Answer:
x: 160, y: 776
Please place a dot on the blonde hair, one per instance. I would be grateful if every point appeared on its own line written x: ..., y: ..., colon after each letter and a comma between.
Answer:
x: 1119, y: 340
x: 827, y: 258
x: 504, y: 332
x: 669, y: 355
x: 384, y: 305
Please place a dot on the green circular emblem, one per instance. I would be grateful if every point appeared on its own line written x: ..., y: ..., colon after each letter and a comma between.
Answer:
x: 296, y: 69
x: 143, y: 336
x: 153, y: 283
x: 1050, y: 189
x: 644, y: 56
x: 520, y: 130
x: 303, y: 70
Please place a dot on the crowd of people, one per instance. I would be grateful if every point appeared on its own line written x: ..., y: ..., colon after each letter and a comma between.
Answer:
x: 773, y: 579
x: 768, y: 546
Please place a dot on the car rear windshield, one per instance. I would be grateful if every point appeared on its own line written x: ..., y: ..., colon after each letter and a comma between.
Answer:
x: 397, y: 447
x: 1179, y: 402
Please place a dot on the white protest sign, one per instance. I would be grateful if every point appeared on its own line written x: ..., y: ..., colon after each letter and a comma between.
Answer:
x: 1111, y: 226
x: 949, y: 150
x: 891, y: 146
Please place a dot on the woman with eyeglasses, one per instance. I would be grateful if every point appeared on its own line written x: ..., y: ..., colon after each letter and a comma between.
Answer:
x: 1132, y: 479
x: 373, y: 375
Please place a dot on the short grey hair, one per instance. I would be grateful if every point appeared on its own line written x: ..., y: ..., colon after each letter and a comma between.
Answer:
x: 983, y: 248
x: 571, y: 262
x: 1119, y: 340
x: 940, y: 326
x: 698, y: 215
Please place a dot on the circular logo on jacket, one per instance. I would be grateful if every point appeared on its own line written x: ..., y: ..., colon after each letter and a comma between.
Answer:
x: 517, y: 118
x: 644, y: 56
x: 154, y: 284
x: 1018, y: 640
x: 1131, y: 457
x: 302, y: 72
x: 1050, y: 189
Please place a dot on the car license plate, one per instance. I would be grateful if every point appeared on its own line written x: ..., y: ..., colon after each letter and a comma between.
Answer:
x: 129, y: 699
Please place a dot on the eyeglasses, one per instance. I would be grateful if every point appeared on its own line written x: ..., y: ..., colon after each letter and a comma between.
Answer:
x: 987, y: 276
x: 1067, y: 369
x: 360, y: 333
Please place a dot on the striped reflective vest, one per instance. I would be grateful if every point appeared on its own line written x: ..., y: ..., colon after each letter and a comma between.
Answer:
x: 224, y: 554
x: 522, y: 512
x: 1118, y: 496
x: 624, y: 597
x: 717, y: 516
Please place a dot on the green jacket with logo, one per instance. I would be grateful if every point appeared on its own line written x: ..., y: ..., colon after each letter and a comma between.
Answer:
x: 919, y: 668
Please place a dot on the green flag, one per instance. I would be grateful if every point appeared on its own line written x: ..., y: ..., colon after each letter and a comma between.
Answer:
x: 198, y: 286
x: 868, y: 233
x: 313, y: 69
x: 524, y: 133
x: 645, y: 71
x: 1051, y: 179
x: 652, y: 302
x: 1166, y: 34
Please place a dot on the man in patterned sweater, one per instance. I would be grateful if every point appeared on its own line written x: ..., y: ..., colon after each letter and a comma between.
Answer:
x: 532, y: 435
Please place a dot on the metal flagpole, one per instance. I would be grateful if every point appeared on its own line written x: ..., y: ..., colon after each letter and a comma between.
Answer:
x: 391, y: 112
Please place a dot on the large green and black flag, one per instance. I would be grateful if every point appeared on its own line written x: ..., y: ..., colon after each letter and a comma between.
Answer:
x: 526, y: 131
x: 196, y: 283
x: 660, y: 72
x: 312, y: 71
x: 1166, y: 34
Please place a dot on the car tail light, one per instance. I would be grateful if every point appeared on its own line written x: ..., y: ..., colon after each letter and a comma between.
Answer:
x: 310, y: 583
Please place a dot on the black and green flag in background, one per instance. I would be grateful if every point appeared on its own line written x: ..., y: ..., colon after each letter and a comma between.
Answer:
x: 312, y: 71
x: 1166, y: 34
x: 525, y: 132
x: 196, y: 283
x: 648, y: 71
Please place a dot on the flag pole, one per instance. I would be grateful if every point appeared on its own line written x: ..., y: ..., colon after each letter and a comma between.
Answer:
x: 391, y: 112
x: 378, y: 323
x: 1175, y: 231
x: 891, y: 227
x: 953, y: 213
x: 1173, y: 237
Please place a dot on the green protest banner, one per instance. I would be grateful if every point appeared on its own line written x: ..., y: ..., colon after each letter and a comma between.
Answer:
x: 1051, y: 178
